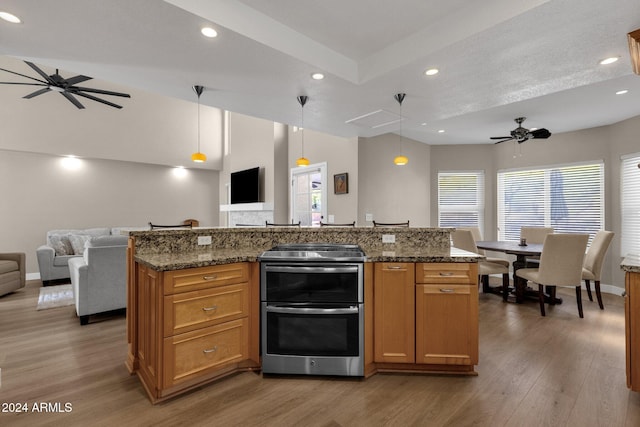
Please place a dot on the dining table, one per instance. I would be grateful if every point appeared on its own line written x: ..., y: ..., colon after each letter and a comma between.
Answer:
x: 521, y: 253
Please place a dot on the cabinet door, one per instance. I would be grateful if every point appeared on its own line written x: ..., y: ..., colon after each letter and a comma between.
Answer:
x: 394, y: 313
x: 632, y: 329
x: 149, y: 306
x: 447, y: 324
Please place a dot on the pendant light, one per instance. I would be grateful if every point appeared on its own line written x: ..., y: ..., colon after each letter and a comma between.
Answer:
x: 302, y: 161
x: 198, y: 157
x: 400, y: 160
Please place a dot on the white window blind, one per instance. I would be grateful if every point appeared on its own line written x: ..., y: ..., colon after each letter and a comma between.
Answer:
x: 630, y: 185
x: 461, y: 199
x: 569, y: 198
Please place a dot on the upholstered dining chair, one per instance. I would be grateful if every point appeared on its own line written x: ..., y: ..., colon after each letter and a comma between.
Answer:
x: 593, y: 262
x: 560, y: 265
x: 534, y: 235
x: 390, y: 224
x: 477, y: 236
x: 463, y: 239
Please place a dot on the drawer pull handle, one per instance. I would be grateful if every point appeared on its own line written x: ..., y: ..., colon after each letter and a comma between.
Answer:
x: 213, y: 308
x: 214, y: 277
x: 447, y: 274
x: 395, y: 267
x: 447, y: 291
x: 211, y: 350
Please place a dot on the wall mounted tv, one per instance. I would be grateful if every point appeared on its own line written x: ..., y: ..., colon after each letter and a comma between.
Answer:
x: 246, y: 186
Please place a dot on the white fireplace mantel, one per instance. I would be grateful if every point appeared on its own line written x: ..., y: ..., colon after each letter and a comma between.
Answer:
x: 244, y: 207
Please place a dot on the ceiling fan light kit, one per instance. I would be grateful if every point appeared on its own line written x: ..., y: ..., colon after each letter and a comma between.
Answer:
x: 521, y: 134
x: 65, y: 87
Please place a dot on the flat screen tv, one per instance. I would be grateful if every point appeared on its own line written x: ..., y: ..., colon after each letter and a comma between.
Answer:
x: 246, y: 186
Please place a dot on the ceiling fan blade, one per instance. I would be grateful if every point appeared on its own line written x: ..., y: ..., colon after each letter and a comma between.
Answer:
x: 77, y: 79
x: 39, y: 71
x: 23, y: 75
x: 504, y: 140
x: 72, y: 99
x: 501, y: 137
x: 98, y: 99
x: 78, y: 89
x: 36, y: 93
x: 20, y: 83
x: 540, y: 133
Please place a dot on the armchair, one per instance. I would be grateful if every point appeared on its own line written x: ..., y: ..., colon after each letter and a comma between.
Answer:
x: 12, y: 272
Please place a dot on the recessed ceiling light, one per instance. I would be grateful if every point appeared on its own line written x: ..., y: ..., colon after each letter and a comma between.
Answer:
x: 608, y: 61
x: 209, y: 32
x: 9, y: 17
x: 431, y: 72
x: 441, y: 131
x: 317, y: 76
x: 424, y: 123
x: 622, y: 92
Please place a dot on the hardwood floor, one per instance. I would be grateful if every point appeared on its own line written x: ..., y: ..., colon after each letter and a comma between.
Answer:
x: 555, y: 371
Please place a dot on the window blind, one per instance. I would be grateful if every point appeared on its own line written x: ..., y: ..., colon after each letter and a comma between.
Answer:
x: 461, y: 199
x: 569, y: 198
x: 630, y: 205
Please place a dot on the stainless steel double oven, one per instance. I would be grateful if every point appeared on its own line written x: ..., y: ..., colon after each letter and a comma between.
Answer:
x: 312, y: 310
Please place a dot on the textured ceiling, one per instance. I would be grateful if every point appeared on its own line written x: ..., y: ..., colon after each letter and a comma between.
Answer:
x: 498, y: 59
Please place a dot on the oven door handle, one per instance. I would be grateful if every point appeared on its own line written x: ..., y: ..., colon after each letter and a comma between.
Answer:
x: 303, y: 269
x: 306, y: 310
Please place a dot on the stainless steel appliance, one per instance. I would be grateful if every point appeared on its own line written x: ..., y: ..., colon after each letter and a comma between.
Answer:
x: 312, y: 299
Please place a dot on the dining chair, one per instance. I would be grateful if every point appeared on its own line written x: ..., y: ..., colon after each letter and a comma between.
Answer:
x: 158, y: 226
x: 347, y: 224
x: 593, y: 261
x: 477, y: 236
x: 273, y: 224
x: 534, y: 235
x: 390, y: 224
x: 560, y: 265
x: 463, y: 239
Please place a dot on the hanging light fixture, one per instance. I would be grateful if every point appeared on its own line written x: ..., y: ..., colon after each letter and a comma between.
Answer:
x: 198, y: 157
x: 302, y: 161
x: 400, y: 160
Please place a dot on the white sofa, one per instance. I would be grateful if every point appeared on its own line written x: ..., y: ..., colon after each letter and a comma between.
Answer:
x: 99, y: 276
x: 65, y: 244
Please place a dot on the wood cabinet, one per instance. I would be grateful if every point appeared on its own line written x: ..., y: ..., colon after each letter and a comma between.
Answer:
x: 394, y: 310
x: 426, y: 317
x: 192, y: 326
x: 632, y: 328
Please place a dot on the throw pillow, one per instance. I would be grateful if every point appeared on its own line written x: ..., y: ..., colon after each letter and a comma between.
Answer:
x: 61, y: 244
x: 77, y: 242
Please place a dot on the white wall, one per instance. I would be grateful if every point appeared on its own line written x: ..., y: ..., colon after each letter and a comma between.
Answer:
x: 393, y: 193
x: 341, y: 155
x: 38, y: 194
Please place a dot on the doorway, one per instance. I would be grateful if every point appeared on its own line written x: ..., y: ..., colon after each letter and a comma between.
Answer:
x: 308, y: 200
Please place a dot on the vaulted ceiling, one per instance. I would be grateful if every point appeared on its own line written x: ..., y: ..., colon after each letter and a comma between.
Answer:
x: 497, y: 59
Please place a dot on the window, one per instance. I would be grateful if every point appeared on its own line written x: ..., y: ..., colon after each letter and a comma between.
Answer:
x: 569, y: 198
x: 461, y: 199
x: 630, y: 197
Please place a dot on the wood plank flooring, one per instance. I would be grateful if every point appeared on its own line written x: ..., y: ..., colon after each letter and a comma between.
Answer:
x: 555, y: 371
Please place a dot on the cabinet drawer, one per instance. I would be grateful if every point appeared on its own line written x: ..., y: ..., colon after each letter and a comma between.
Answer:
x: 197, y: 353
x: 187, y: 311
x: 447, y: 272
x: 205, y: 277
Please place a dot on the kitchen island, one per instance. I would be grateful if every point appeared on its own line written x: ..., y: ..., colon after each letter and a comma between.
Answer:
x: 631, y: 267
x: 420, y: 297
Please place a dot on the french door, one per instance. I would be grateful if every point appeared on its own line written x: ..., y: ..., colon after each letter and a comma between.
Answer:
x: 308, y: 200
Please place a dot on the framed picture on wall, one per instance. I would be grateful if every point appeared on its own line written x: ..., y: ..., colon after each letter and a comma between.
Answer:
x: 341, y: 183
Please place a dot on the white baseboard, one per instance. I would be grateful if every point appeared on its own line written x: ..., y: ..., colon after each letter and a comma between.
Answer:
x: 33, y: 276
x: 608, y: 289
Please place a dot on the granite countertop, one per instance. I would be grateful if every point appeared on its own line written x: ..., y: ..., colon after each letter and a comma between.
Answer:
x: 631, y: 263
x: 179, y: 261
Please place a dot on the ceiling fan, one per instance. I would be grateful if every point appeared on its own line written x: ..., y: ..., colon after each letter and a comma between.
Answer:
x: 521, y: 134
x: 66, y: 87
